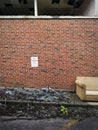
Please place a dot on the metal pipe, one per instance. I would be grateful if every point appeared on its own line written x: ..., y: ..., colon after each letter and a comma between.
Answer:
x: 35, y: 8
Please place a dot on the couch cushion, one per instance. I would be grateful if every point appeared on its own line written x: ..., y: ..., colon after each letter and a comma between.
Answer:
x: 91, y: 92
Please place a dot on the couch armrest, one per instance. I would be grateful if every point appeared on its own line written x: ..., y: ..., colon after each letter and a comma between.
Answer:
x: 79, y: 83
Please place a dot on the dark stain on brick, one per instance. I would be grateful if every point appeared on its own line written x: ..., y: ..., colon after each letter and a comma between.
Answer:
x: 5, y: 46
x: 13, y: 51
x: 44, y: 71
x: 30, y: 47
x: 48, y: 30
x: 57, y: 49
x: 73, y: 62
x: 22, y: 72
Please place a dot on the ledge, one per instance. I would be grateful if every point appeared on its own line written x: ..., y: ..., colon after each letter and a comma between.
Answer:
x: 48, y: 17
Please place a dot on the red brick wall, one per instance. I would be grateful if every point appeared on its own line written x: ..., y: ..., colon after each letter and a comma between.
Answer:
x: 66, y: 48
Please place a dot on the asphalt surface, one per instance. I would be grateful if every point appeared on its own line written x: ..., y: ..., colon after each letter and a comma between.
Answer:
x: 87, y: 124
x: 49, y: 124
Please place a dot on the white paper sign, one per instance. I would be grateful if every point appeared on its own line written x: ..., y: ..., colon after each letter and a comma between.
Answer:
x: 34, y: 61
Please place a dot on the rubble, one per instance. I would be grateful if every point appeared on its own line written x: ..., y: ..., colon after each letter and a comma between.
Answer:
x: 30, y: 103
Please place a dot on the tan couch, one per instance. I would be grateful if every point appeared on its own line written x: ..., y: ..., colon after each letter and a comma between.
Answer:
x: 87, y: 88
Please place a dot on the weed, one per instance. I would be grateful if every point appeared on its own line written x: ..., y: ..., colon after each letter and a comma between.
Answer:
x: 64, y: 110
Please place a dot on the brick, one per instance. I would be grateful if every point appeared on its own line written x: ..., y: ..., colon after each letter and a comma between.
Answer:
x: 66, y: 48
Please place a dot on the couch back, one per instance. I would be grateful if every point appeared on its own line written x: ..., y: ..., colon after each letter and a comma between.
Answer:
x: 90, y: 82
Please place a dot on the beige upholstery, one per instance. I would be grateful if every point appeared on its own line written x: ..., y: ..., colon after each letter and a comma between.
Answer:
x: 87, y: 88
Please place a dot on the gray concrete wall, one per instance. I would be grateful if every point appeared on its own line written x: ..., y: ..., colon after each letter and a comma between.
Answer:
x: 88, y: 8
x: 96, y: 8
